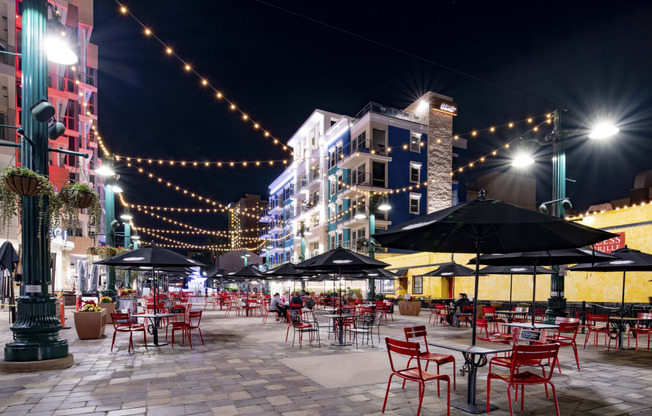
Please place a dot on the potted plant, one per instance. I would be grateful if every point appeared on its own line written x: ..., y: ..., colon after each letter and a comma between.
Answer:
x: 92, y: 251
x: 106, y: 251
x: 76, y: 196
x: 16, y: 182
x: 127, y: 293
x: 90, y: 321
x: 108, y: 304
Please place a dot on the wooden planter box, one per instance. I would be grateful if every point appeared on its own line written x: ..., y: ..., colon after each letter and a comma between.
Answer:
x: 409, y: 308
x: 90, y: 325
x: 109, y: 308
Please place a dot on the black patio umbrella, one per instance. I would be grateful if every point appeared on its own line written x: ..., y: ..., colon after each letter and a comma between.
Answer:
x: 625, y: 260
x: 488, y: 226
x: 245, y: 274
x: 451, y: 269
x: 341, y: 261
x: 379, y: 274
x: 287, y: 271
x: 543, y: 257
x: 512, y: 270
x: 153, y: 257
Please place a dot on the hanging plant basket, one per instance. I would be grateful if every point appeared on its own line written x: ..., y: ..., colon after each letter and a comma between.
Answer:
x: 81, y: 199
x: 23, y: 185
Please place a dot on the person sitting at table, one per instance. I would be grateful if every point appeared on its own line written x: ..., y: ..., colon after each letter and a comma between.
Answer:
x: 457, y: 308
x: 276, y: 305
x: 309, y: 302
x: 296, y: 299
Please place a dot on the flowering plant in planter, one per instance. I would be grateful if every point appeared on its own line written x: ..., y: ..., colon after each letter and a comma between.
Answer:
x: 106, y: 299
x: 16, y: 182
x: 126, y: 293
x: 90, y: 306
x: 107, y: 251
x: 92, y: 250
x: 76, y: 196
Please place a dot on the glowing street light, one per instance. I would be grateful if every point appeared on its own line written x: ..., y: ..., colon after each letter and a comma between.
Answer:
x: 603, y: 130
x: 522, y: 159
x: 105, y: 170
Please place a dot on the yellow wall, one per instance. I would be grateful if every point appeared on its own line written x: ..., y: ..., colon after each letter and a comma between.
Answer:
x: 580, y: 286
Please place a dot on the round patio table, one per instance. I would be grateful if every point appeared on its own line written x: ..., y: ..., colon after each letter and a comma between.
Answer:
x: 152, y: 328
x: 621, y: 323
x: 338, y: 320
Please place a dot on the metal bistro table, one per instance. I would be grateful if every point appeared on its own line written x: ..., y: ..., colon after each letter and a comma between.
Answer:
x: 620, y: 324
x: 152, y: 328
x: 474, y: 357
x: 510, y: 317
x: 338, y: 320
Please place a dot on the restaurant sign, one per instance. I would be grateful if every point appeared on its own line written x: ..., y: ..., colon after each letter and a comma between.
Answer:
x: 611, y: 244
x: 444, y: 106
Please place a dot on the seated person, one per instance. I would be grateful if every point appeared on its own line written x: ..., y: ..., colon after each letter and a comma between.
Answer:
x: 308, y: 302
x: 275, y: 305
x: 296, y: 299
x: 457, y: 308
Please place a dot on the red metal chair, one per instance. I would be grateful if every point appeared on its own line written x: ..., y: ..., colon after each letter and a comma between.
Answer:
x: 524, y: 355
x: 123, y: 323
x: 467, y: 313
x: 413, y: 334
x: 412, y: 350
x: 481, y: 325
x: 194, y: 319
x: 292, y: 307
x: 439, y: 312
x: 563, y: 338
x: 489, y: 313
x: 641, y: 329
x: 595, y: 328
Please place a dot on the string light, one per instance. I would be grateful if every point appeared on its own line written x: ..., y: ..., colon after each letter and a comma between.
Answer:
x: 495, y: 152
x: 192, y: 210
x: 494, y: 128
x: 192, y: 227
x: 189, y: 69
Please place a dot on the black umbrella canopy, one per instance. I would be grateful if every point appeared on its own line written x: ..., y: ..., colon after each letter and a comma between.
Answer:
x: 343, y: 260
x: 488, y: 226
x: 216, y: 274
x: 623, y: 260
x: 379, y: 274
x: 186, y: 270
x: 247, y: 272
x: 544, y: 257
x: 151, y: 256
x: 286, y: 271
x: 451, y: 269
x: 524, y: 269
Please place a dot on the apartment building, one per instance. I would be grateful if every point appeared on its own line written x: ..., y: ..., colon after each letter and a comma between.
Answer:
x: 348, y: 168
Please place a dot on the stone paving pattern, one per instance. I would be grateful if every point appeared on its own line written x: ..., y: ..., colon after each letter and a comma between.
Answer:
x: 238, y: 372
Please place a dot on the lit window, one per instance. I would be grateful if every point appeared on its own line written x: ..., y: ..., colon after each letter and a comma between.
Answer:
x: 415, y: 172
x: 415, y: 142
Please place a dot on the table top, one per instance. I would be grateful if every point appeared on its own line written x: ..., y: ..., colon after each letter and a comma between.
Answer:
x: 337, y: 315
x: 513, y: 312
x: 529, y: 325
x: 155, y: 315
x: 471, y: 349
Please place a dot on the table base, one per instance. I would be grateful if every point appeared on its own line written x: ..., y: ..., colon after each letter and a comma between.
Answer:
x: 160, y: 344
x: 345, y: 344
x: 476, y: 409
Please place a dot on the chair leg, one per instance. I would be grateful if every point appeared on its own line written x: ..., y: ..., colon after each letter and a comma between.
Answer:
x: 422, y: 388
x: 454, y: 377
x: 577, y: 359
x: 554, y: 396
x: 112, y: 343
x: 145, y: 339
x: 201, y: 336
x: 389, y: 382
x: 488, y: 392
x: 509, y: 400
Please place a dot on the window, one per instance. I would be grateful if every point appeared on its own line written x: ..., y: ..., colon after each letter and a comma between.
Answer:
x: 415, y: 142
x: 378, y: 174
x: 384, y: 286
x: 415, y: 199
x: 415, y: 172
x: 339, y: 152
x: 333, y: 185
x: 332, y: 241
x: 331, y: 158
x: 340, y: 239
x: 359, y: 175
x: 378, y: 141
x: 417, y: 285
x: 359, y: 142
x: 340, y: 181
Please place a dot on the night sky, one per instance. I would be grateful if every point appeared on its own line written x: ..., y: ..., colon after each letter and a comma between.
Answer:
x: 520, y: 59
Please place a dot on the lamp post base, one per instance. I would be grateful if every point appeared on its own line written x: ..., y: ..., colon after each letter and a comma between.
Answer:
x: 36, y: 331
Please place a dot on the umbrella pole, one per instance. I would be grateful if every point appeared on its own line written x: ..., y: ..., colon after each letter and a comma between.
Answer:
x: 511, y: 278
x: 534, y: 291
x: 340, y: 329
x: 622, y: 315
x: 475, y: 297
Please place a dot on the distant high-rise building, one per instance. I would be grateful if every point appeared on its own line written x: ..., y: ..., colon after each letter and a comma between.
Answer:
x: 243, y: 222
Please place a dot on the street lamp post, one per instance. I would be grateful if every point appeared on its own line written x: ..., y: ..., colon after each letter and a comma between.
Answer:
x: 126, y: 216
x: 36, y: 330
x: 109, y: 221
x: 377, y: 203
x: 559, y: 202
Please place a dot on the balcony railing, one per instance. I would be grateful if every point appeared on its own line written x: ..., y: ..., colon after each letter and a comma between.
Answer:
x: 390, y: 112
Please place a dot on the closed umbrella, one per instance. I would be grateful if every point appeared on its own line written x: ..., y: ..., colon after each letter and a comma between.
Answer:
x: 487, y: 226
x: 625, y: 260
x: 545, y: 258
x: 341, y: 261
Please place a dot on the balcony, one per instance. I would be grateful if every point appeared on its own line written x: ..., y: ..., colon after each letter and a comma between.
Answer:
x: 304, y: 209
x: 274, y: 207
x: 358, y: 151
x: 390, y: 112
